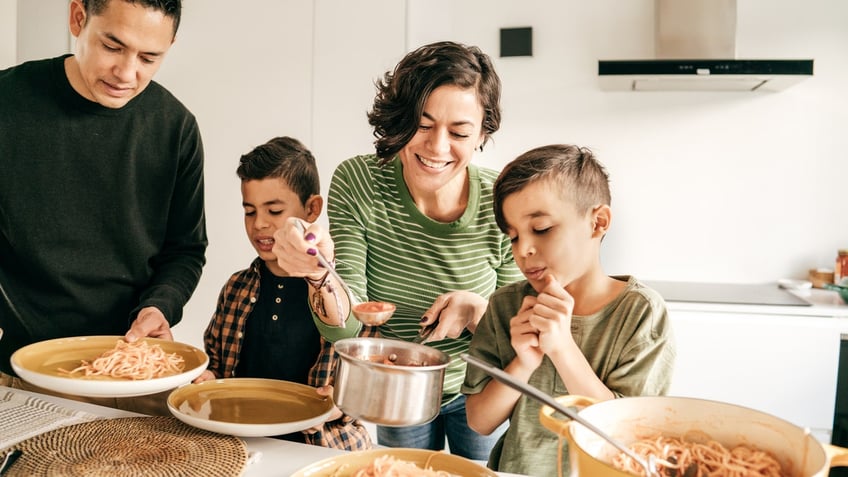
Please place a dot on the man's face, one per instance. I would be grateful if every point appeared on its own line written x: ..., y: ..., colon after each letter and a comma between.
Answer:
x: 118, y: 51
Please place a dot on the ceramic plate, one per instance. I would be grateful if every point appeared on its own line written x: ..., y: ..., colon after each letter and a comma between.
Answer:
x: 249, y: 407
x: 345, y: 465
x: 39, y: 364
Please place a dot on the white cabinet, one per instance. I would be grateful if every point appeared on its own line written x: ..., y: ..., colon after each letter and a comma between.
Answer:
x: 781, y: 364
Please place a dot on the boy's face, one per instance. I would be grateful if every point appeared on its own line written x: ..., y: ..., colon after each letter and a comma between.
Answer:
x: 267, y: 204
x: 117, y: 52
x: 549, y: 236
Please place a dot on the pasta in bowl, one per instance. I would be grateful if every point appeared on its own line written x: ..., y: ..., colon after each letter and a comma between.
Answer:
x: 106, y: 366
x: 395, y: 462
x: 681, y: 432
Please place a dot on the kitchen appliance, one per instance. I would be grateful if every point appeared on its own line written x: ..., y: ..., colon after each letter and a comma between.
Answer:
x: 839, y: 437
x: 695, y: 50
x: 729, y: 293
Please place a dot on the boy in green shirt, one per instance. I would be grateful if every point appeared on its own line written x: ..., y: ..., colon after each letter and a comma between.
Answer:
x: 568, y: 328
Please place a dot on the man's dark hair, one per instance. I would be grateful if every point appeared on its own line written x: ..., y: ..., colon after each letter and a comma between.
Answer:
x: 171, y: 8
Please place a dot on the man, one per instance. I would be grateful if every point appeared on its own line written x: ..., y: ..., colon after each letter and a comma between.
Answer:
x: 102, y: 227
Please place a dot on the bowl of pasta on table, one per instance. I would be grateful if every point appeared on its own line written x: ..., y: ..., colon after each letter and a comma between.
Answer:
x: 108, y: 366
x: 395, y: 462
x: 717, y: 438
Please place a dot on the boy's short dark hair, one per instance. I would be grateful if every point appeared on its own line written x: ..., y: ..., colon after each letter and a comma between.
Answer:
x: 401, y: 93
x: 171, y: 8
x: 285, y: 158
x: 582, y: 179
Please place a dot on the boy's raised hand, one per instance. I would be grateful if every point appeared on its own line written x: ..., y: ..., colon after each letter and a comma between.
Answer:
x: 551, y: 315
x: 524, y: 337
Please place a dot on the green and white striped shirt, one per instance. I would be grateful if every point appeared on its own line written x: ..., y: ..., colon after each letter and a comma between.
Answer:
x: 387, y: 250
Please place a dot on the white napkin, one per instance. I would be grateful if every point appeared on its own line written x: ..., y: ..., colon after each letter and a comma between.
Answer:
x: 23, y: 416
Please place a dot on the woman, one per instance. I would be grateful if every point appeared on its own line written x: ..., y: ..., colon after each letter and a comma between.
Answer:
x: 413, y: 224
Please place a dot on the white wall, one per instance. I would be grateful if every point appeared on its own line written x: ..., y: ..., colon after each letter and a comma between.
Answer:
x: 302, y: 69
x: 8, y: 32
x: 729, y: 187
x: 46, y: 37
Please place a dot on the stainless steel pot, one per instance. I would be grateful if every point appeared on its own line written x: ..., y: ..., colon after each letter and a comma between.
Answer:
x: 389, y: 382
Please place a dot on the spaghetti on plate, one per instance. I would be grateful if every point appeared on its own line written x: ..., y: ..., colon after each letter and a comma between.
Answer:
x: 389, y: 466
x: 135, y: 361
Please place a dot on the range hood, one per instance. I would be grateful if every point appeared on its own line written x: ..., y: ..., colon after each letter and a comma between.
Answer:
x: 695, y: 43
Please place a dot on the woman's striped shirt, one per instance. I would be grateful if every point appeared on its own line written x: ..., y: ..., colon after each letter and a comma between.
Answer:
x: 387, y: 250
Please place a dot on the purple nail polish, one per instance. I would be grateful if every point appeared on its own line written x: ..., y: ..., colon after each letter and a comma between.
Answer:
x: 423, y: 319
x: 312, y: 251
x: 310, y: 237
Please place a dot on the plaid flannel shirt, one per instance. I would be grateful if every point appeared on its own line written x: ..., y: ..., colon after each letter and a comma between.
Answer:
x: 223, y: 338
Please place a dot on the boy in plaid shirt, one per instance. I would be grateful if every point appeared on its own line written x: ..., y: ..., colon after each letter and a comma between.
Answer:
x: 263, y: 326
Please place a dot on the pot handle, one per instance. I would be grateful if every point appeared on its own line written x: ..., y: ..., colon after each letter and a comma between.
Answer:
x: 837, y: 456
x: 557, y: 425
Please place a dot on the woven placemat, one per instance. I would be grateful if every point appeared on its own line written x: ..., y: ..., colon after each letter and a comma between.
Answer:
x: 150, y: 446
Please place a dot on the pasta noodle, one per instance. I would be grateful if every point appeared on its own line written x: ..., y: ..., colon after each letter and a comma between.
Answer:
x: 388, y: 466
x: 712, y: 458
x: 135, y: 361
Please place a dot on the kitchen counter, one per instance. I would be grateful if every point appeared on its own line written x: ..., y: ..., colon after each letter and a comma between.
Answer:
x: 736, y: 343
x: 268, y: 457
x: 765, y: 298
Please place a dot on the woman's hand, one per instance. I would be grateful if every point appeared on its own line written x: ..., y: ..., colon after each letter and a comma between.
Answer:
x: 454, y: 311
x: 336, y: 413
x: 296, y: 251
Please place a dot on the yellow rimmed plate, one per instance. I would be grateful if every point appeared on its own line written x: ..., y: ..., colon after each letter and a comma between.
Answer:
x: 250, y: 407
x: 39, y: 364
x: 346, y: 465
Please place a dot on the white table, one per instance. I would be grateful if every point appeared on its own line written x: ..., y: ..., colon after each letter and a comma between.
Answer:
x: 278, y: 457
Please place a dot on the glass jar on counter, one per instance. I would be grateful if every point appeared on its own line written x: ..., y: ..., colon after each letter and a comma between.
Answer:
x: 840, y: 269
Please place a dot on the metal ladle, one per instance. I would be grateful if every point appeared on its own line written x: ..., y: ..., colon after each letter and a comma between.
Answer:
x: 373, y: 318
x: 650, y: 465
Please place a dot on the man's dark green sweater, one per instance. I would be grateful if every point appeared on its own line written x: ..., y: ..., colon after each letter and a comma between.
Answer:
x: 101, y: 210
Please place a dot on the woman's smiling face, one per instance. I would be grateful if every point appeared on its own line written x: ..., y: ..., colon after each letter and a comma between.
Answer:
x: 449, y: 131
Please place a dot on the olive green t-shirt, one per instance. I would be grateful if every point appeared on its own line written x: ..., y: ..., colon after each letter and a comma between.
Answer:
x: 628, y: 343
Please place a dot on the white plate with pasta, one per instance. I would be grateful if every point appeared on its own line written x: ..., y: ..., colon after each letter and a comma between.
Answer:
x: 107, y: 366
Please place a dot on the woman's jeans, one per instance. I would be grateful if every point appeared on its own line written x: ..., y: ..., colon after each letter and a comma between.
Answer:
x: 450, y: 422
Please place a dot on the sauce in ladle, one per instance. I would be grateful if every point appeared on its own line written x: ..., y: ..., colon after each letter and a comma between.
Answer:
x: 373, y: 312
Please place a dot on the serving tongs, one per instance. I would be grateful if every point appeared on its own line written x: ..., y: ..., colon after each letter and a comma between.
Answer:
x: 649, y: 465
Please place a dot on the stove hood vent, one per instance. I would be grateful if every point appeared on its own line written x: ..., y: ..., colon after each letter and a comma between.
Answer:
x: 695, y: 43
